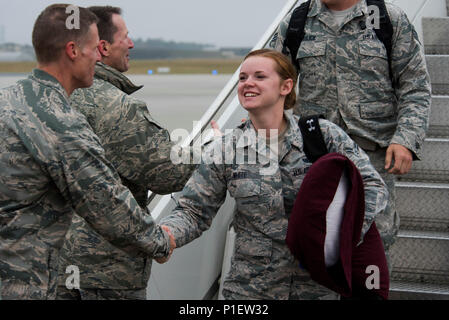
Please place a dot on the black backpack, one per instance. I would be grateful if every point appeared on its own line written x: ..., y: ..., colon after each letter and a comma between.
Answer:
x: 295, y: 30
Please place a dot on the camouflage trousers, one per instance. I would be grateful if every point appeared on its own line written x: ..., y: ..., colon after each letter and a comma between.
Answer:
x: 20, y: 290
x: 100, y: 294
x: 387, y: 222
x: 302, y: 287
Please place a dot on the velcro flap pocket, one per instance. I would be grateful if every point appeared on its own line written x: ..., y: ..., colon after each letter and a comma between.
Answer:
x: 241, y: 188
x: 373, y: 49
x: 376, y: 110
x: 311, y: 49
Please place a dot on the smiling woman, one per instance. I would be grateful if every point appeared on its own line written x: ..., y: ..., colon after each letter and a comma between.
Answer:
x: 266, y: 84
x: 262, y: 266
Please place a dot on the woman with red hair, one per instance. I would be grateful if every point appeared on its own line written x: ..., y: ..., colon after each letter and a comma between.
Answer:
x: 265, y: 187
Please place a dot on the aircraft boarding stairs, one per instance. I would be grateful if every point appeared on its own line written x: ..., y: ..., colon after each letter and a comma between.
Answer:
x: 420, y: 256
x: 421, y: 252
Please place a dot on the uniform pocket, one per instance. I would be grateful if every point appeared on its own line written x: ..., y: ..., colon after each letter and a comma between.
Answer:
x: 243, y: 188
x: 251, y: 259
x: 310, y: 49
x: 376, y: 110
x: 251, y: 201
x: 374, y: 59
x: 373, y: 48
x: 244, y: 181
x: 313, y: 68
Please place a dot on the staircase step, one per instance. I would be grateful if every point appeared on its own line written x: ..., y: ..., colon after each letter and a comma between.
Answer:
x: 423, y: 206
x: 434, y: 163
x: 439, y: 117
x: 435, y: 35
x: 437, y: 66
x: 400, y: 290
x: 421, y: 257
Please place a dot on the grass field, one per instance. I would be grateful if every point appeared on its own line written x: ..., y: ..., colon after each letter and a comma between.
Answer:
x: 178, y: 66
x: 183, y: 66
x: 17, y: 67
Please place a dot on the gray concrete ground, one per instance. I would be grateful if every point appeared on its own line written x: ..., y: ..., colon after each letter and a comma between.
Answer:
x: 178, y: 100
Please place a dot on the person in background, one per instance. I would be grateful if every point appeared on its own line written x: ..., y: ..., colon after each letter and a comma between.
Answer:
x: 382, y: 102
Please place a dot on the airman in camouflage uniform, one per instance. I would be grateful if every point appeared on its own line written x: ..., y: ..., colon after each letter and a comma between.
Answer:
x: 140, y: 151
x: 262, y: 266
x: 53, y: 165
x: 344, y: 75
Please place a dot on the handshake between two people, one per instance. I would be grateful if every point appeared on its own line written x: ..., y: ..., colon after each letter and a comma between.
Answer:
x: 217, y: 133
x: 172, y: 246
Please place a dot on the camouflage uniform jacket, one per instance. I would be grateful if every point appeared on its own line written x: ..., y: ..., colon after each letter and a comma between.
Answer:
x: 344, y: 74
x: 140, y: 151
x: 53, y: 165
x: 262, y: 266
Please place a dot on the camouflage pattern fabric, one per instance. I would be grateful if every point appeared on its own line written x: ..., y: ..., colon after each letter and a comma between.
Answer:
x: 344, y: 75
x: 140, y: 151
x: 262, y: 266
x: 101, y: 294
x: 53, y: 165
x: 134, y: 142
x: 387, y: 222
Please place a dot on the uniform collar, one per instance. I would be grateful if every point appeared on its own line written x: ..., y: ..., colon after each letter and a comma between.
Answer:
x: 317, y: 8
x: 361, y: 9
x: 115, y: 77
x: 48, y: 80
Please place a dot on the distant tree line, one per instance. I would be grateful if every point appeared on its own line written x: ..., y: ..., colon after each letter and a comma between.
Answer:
x: 163, y: 44
x: 158, y: 53
x: 162, y: 49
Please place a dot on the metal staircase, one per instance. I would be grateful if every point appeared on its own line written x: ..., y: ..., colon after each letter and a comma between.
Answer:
x: 420, y: 256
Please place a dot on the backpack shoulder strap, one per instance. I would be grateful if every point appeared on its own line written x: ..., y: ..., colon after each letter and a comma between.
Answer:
x: 295, y: 31
x: 313, y: 140
x: 385, y: 32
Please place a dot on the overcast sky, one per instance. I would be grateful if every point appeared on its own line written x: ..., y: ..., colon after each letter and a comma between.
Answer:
x: 218, y: 22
